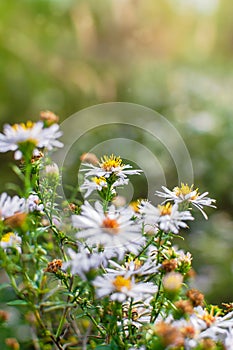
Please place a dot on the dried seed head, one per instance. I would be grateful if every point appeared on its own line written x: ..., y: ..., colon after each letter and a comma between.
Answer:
x: 185, y: 306
x: 169, y: 335
x: 54, y: 266
x: 169, y: 265
x: 196, y: 297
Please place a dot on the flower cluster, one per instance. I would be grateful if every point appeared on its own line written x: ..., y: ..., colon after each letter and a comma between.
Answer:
x: 102, y: 274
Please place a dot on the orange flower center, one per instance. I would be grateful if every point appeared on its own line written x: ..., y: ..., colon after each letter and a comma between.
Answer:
x: 110, y: 225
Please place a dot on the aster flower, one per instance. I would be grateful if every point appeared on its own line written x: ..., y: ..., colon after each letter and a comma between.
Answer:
x: 166, y: 217
x: 121, y: 288
x: 134, y: 267
x: 10, y: 206
x: 114, y: 230
x: 95, y: 184
x: 212, y: 324
x: 228, y: 341
x: 186, y: 194
x: 111, y: 166
x: 11, y: 240
x: 14, y: 137
x: 82, y: 262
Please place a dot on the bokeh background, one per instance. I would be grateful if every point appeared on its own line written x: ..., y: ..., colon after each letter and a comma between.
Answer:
x: 174, y: 56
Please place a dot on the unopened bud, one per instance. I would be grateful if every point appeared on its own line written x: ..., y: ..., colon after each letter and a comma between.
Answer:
x: 49, y: 117
x: 172, y: 282
x: 52, y: 169
x: 89, y: 158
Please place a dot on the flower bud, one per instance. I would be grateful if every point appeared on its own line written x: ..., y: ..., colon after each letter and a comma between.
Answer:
x: 49, y: 118
x: 172, y: 283
x: 89, y: 158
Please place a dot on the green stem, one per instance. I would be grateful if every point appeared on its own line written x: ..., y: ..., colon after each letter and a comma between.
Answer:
x: 107, y: 199
x: 63, y: 318
x: 103, y: 333
x: 145, y: 248
x: 47, y: 332
x: 27, y: 177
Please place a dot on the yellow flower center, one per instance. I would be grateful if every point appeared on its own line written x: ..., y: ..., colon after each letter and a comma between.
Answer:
x: 6, y: 238
x: 28, y: 125
x: 135, y: 205
x: 210, y: 317
x: 184, y: 189
x: 107, y: 163
x: 121, y: 282
x: 110, y: 225
x: 98, y: 180
x: 165, y: 209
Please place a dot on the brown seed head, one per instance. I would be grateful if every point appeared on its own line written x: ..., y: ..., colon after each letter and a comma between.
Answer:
x: 196, y: 297
x: 169, y: 265
x: 54, y: 266
x: 185, y: 306
x: 169, y: 335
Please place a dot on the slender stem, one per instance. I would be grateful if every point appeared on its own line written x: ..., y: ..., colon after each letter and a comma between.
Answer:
x: 146, y: 246
x: 96, y: 324
x: 107, y: 199
x: 27, y: 176
x: 48, y: 333
x: 63, y: 318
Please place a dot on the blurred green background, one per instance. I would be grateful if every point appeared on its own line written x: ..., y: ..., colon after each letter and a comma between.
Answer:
x: 174, y: 56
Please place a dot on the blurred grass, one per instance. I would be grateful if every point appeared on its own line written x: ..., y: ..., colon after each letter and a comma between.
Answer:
x: 172, y: 56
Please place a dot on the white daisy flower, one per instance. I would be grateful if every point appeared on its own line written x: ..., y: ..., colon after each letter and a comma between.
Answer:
x: 11, y: 240
x: 82, y: 262
x: 95, y: 184
x: 111, y: 166
x: 228, y: 342
x: 213, y: 325
x: 13, y: 137
x: 114, y: 230
x: 187, y: 194
x: 134, y: 267
x: 121, y: 288
x: 10, y: 206
x: 166, y: 217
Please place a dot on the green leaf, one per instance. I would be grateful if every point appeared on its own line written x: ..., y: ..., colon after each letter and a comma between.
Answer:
x: 17, y: 303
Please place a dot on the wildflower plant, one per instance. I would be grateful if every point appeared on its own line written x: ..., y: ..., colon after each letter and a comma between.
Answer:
x: 96, y: 275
